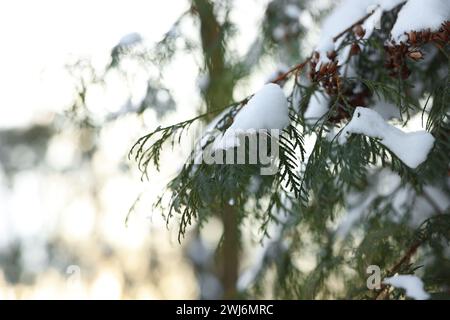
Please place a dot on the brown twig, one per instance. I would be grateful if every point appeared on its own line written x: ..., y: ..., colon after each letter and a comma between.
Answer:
x: 295, y: 68
x: 360, y: 21
x: 300, y: 66
x: 404, y: 259
x: 340, y: 34
x: 422, y: 237
x: 431, y: 202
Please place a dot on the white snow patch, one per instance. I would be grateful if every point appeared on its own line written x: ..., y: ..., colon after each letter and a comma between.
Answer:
x: 413, y: 285
x: 281, y: 69
x: 372, y: 22
x: 267, y: 109
x: 387, y: 5
x: 412, y: 148
x: 130, y: 39
x: 343, y: 55
x: 418, y: 15
x: 318, y: 105
x: 209, y: 133
x: 343, y: 16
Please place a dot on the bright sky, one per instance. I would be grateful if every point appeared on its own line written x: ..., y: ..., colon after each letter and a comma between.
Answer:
x: 39, y: 36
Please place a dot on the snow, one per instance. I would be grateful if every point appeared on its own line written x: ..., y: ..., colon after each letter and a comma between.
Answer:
x: 412, y: 148
x: 267, y: 109
x: 372, y: 22
x: 343, y: 16
x: 387, y: 5
x: 415, y: 15
x: 281, y: 69
x: 208, y: 133
x: 130, y: 39
x: 412, y: 284
x: 420, y: 15
x: 318, y: 105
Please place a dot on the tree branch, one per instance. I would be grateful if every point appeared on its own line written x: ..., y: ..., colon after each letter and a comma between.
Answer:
x: 404, y: 259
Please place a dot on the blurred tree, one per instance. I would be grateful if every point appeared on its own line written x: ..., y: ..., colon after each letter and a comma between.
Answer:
x: 331, y: 210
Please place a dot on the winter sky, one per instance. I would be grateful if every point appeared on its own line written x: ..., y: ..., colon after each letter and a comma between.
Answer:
x: 39, y: 36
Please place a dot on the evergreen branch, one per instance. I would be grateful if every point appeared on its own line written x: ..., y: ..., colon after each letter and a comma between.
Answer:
x: 143, y: 156
x: 289, y: 163
x: 132, y: 208
x: 330, y: 171
x: 424, y: 234
x: 360, y: 21
x: 384, y: 292
x: 350, y: 28
x: 301, y: 65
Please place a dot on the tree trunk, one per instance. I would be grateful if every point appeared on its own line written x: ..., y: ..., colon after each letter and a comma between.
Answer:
x: 230, y: 252
x: 218, y: 94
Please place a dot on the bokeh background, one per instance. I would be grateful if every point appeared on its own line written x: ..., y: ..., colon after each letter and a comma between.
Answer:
x: 66, y: 184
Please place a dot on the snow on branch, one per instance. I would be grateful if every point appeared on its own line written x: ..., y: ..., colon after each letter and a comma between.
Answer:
x: 366, y: 12
x: 412, y: 148
x: 130, y: 39
x: 267, y: 109
x: 418, y: 15
x: 413, y: 285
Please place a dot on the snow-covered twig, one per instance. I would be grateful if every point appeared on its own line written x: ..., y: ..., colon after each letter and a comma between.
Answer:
x: 412, y: 148
x: 413, y: 285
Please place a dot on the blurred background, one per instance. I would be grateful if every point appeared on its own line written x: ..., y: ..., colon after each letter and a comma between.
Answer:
x: 80, y: 82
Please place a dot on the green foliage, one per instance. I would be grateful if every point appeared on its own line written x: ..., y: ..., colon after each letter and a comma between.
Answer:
x: 311, y: 191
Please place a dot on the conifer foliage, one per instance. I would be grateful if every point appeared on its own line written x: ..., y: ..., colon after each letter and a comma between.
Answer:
x: 378, y: 196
